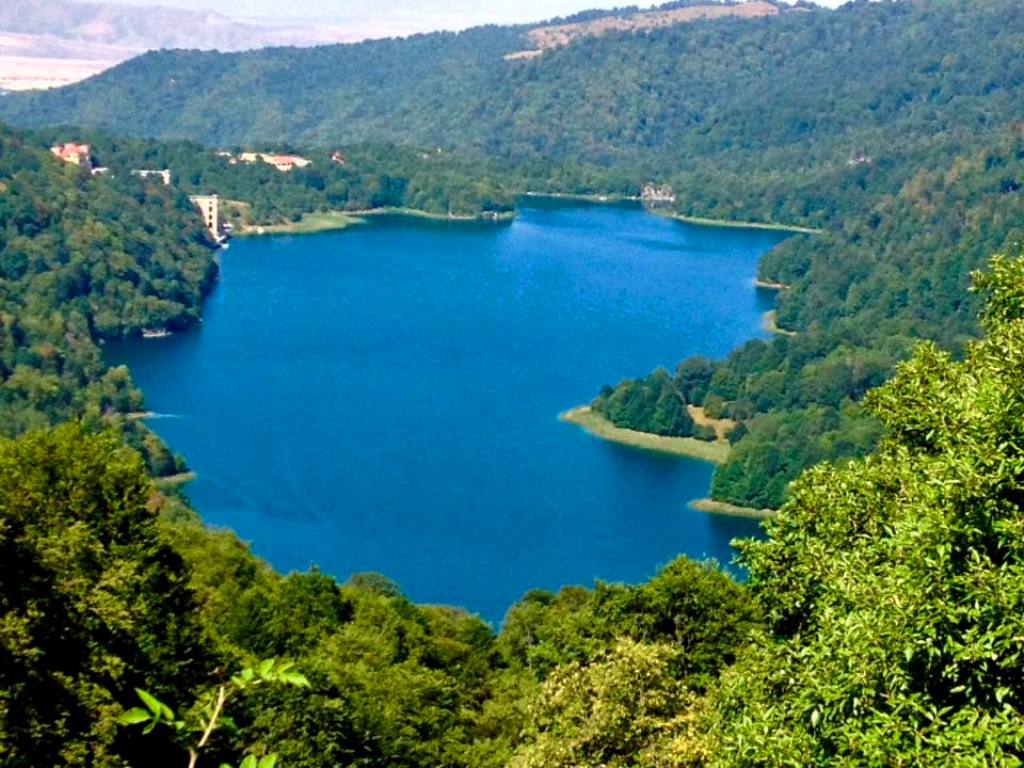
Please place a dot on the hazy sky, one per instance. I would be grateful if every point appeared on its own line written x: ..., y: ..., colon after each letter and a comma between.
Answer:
x: 401, y: 16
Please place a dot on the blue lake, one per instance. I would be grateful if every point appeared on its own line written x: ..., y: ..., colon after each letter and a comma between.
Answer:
x: 386, y: 398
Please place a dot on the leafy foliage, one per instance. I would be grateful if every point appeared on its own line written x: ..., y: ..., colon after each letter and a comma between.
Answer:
x: 653, y: 405
x: 84, y: 258
x: 93, y: 603
x: 212, y: 709
x: 893, y: 585
x: 613, y: 712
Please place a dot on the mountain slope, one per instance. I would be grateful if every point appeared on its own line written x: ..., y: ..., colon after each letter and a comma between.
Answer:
x: 795, y: 89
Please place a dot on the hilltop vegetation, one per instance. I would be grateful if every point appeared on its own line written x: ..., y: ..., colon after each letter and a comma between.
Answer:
x: 368, y: 176
x: 779, y: 103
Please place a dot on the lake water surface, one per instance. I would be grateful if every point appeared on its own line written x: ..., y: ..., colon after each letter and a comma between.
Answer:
x: 386, y: 399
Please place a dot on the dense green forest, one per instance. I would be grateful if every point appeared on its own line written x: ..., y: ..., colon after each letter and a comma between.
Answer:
x: 890, y: 125
x: 87, y: 258
x: 361, y: 177
x: 856, y: 298
x: 885, y: 632
x: 786, y: 100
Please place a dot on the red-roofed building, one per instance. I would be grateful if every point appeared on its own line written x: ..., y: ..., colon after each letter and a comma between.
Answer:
x: 286, y: 162
x: 73, y: 153
x: 281, y: 162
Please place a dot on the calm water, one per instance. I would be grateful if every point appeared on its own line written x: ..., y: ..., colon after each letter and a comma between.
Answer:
x: 385, y: 399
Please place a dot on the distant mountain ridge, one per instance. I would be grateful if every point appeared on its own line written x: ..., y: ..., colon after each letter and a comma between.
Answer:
x: 44, y: 44
x: 151, y: 27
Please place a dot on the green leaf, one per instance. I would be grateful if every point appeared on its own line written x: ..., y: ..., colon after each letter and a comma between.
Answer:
x: 152, y: 703
x: 265, y: 668
x: 268, y: 761
x: 249, y: 762
x: 295, y: 678
x: 134, y: 716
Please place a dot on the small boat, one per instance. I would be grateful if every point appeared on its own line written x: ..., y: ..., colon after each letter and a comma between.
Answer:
x: 155, y: 333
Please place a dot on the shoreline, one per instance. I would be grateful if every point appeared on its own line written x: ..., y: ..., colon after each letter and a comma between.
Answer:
x: 416, y: 213
x: 714, y: 452
x: 586, y: 198
x: 309, y: 224
x: 337, y: 221
x: 769, y: 324
x: 175, y: 481
x: 713, y: 507
x: 701, y: 221
x: 333, y: 221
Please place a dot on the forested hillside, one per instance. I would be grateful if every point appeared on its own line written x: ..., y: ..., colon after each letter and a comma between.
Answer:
x: 796, y: 94
x: 360, y: 177
x: 856, y: 298
x: 85, y: 258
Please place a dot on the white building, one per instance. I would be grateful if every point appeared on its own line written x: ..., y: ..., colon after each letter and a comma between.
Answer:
x: 209, y: 207
x: 164, y: 174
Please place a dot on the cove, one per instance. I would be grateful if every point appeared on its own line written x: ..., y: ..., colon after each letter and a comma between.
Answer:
x: 385, y: 399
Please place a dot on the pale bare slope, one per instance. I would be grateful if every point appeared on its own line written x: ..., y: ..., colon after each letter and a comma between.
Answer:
x: 557, y: 35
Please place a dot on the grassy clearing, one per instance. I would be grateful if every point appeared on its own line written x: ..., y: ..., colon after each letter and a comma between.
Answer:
x: 310, y: 223
x: 723, y: 508
x: 722, y: 427
x: 704, y: 222
x: 416, y: 213
x: 716, y: 452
